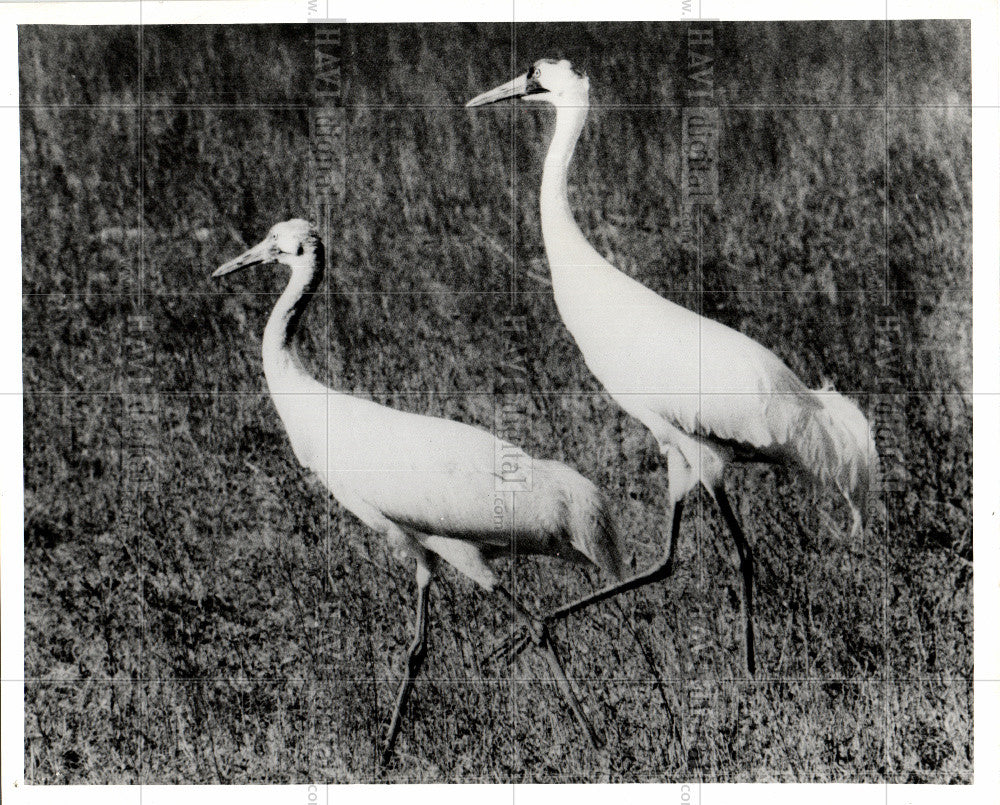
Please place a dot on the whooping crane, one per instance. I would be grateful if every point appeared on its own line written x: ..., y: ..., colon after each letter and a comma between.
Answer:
x: 707, y: 393
x: 428, y: 485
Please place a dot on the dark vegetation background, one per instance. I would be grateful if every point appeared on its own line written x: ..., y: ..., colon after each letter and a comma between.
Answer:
x: 235, y: 625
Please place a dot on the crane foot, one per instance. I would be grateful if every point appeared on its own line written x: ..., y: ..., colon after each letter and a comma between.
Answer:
x: 511, y: 647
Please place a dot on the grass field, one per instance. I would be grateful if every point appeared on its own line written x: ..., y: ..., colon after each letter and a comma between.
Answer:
x: 199, y: 610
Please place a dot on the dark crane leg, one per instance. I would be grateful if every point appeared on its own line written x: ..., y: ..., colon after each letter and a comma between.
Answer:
x: 510, y: 648
x: 659, y: 572
x: 538, y: 633
x: 746, y: 569
x: 414, y: 660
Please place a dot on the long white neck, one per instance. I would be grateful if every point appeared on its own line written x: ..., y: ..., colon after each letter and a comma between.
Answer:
x: 565, y: 244
x: 282, y: 367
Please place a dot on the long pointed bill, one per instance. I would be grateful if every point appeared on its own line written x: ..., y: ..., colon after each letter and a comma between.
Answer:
x: 517, y: 88
x: 255, y: 256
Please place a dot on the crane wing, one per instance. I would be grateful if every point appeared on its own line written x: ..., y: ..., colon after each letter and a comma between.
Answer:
x: 431, y: 475
x: 697, y: 374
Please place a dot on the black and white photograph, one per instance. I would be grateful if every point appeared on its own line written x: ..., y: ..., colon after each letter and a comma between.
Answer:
x: 516, y: 400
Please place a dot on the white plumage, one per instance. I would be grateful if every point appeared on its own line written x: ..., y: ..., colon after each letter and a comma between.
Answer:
x: 436, y: 482
x: 708, y: 390
x: 431, y: 486
x: 707, y: 393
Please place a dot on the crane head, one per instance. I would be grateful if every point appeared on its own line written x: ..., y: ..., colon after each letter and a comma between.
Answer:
x: 556, y: 82
x: 286, y: 243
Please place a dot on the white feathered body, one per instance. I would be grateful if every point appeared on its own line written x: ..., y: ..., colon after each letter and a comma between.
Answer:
x: 684, y: 375
x: 700, y: 387
x: 432, y: 484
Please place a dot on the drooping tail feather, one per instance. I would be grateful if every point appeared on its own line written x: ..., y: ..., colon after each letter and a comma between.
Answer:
x: 607, y: 542
x: 595, y: 535
x: 835, y: 445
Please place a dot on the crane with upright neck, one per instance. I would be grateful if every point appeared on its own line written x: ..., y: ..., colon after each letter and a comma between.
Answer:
x: 428, y: 485
x: 709, y: 395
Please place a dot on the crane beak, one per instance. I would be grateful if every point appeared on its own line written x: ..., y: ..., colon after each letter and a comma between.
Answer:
x: 518, y: 88
x: 252, y: 257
